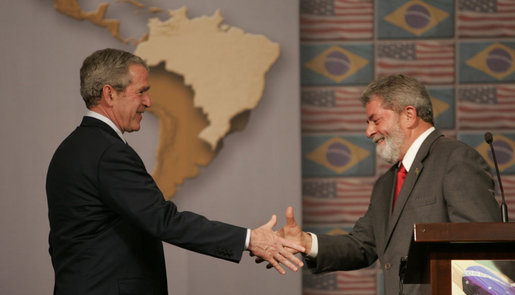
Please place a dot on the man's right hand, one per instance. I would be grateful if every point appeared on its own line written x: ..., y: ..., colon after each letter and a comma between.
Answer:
x: 293, y: 233
x: 269, y: 246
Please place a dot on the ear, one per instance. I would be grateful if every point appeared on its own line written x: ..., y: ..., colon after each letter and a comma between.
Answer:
x: 410, y: 114
x: 107, y: 94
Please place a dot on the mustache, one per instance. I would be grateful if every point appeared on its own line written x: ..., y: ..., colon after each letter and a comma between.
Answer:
x: 378, y: 138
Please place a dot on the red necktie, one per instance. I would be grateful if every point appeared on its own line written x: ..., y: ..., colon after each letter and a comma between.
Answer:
x: 401, y: 175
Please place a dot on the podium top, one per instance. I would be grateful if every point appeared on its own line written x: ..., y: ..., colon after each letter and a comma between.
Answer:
x: 464, y: 232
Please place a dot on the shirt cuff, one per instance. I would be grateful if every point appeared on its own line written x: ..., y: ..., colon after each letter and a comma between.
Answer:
x: 247, y: 239
x: 313, y: 252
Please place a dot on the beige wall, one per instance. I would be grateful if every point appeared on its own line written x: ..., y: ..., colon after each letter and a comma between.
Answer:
x: 256, y: 174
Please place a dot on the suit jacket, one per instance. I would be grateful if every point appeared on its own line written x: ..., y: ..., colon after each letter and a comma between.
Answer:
x: 447, y: 182
x: 108, y: 218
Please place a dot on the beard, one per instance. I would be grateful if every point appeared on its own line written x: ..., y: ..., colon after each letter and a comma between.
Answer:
x: 390, y: 150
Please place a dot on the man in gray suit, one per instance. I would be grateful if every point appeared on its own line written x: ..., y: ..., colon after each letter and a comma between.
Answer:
x: 445, y: 181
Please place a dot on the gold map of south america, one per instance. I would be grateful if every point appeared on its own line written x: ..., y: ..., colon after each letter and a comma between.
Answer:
x: 205, y: 78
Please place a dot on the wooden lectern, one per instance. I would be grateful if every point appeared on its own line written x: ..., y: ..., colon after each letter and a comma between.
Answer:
x: 435, y: 245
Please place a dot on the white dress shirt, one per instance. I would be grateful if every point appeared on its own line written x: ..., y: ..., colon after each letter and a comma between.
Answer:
x: 107, y: 121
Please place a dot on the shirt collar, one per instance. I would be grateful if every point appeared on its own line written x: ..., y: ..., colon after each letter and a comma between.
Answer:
x: 106, y: 120
x: 413, y: 149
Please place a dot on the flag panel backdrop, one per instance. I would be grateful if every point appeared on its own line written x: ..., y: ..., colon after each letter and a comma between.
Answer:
x: 462, y: 50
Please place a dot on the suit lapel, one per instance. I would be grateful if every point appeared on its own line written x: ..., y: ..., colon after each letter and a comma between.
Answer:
x: 409, y: 183
x: 386, y: 202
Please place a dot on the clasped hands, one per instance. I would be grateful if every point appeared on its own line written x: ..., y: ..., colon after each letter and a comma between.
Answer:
x: 280, y: 247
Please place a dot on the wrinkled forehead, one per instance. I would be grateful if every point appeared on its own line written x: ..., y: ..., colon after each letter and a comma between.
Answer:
x: 376, y: 108
x: 376, y: 102
x: 138, y: 74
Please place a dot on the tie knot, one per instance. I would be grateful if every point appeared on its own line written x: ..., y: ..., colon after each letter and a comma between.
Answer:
x: 402, y: 171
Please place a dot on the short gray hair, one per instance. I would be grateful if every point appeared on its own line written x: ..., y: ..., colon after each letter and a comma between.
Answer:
x: 399, y: 91
x: 105, y: 67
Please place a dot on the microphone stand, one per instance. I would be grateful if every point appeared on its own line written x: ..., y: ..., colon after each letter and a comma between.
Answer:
x: 504, y: 207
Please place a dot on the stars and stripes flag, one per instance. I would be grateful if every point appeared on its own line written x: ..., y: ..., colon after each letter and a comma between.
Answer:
x: 486, y: 107
x: 431, y: 62
x: 489, y: 18
x: 358, y: 282
x: 508, y: 184
x: 336, y: 19
x: 381, y: 166
x: 335, y: 200
x: 332, y: 109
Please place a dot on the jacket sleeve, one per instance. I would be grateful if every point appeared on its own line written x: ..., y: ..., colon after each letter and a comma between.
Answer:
x: 127, y: 188
x: 468, y: 188
x: 346, y: 252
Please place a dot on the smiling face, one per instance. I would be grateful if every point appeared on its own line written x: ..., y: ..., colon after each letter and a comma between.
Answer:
x: 385, y: 130
x: 129, y: 105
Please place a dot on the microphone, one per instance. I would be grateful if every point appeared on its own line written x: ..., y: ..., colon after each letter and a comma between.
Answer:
x: 402, y: 273
x: 504, y: 209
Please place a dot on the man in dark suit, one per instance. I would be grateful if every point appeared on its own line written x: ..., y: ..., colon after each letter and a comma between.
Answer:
x: 107, y: 216
x: 445, y: 181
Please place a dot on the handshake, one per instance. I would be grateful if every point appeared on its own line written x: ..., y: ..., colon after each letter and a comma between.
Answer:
x: 280, y: 247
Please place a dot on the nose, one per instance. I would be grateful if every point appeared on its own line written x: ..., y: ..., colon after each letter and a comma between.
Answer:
x: 371, y: 130
x: 147, y: 102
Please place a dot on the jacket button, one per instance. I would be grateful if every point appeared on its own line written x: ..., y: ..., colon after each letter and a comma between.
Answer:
x: 387, y: 266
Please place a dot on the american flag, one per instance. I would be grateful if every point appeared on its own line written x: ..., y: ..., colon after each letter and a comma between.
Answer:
x: 336, y: 19
x: 486, y: 107
x: 335, y: 200
x: 332, y: 109
x: 358, y: 282
x: 381, y: 166
x: 431, y: 62
x: 508, y: 184
x: 489, y: 18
